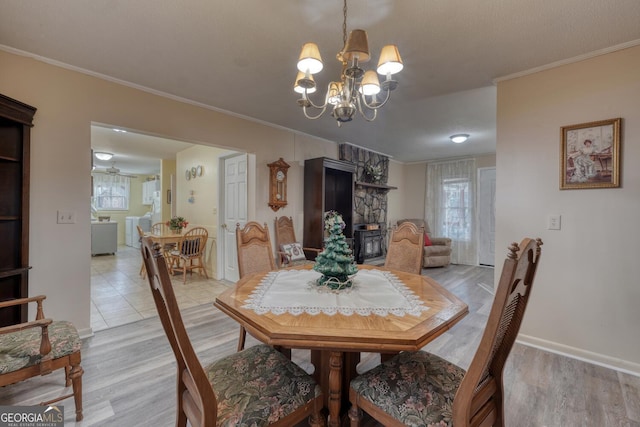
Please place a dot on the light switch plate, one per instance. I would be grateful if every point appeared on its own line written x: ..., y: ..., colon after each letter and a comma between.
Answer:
x: 553, y: 222
x: 66, y: 217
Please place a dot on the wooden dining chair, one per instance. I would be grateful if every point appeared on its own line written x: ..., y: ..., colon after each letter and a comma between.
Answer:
x: 420, y: 388
x: 289, y: 250
x: 189, y: 253
x: 254, y: 387
x: 141, y: 235
x: 405, y: 248
x: 255, y: 255
x: 40, y: 347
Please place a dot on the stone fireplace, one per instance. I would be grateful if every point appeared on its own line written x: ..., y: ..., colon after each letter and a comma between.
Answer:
x: 369, y: 201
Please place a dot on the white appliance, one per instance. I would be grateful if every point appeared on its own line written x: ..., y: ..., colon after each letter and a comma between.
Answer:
x: 156, y: 208
x: 131, y: 236
x: 104, y: 237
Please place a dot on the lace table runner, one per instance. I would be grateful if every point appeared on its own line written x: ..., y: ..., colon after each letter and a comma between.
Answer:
x: 294, y: 291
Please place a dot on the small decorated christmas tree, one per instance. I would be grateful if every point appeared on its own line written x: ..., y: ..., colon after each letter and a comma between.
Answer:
x: 335, y: 262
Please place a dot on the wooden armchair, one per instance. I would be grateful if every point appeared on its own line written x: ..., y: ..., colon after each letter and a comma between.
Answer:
x: 256, y: 387
x: 290, y: 251
x: 254, y: 256
x: 189, y: 254
x: 420, y: 388
x: 437, y: 250
x: 405, y: 248
x: 40, y: 347
x: 142, y: 272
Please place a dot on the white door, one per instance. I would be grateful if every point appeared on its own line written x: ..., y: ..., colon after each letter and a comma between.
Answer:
x: 486, y: 216
x: 234, y: 184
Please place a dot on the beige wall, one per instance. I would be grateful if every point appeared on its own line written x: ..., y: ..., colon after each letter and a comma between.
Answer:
x: 586, y: 295
x: 68, y: 102
x: 197, y: 198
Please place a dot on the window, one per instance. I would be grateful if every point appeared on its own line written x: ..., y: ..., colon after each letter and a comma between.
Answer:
x: 457, y: 209
x: 450, y: 208
x: 111, y: 192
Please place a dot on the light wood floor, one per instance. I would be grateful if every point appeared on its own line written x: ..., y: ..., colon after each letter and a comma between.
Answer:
x: 130, y: 373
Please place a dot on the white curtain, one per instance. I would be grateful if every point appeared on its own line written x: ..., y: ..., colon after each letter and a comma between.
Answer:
x: 450, y: 209
x: 111, y: 192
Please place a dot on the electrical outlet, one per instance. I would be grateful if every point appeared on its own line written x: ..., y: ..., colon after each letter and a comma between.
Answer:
x: 66, y: 217
x: 553, y: 222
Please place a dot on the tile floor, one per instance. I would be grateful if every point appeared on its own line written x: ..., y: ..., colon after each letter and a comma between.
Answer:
x: 119, y: 294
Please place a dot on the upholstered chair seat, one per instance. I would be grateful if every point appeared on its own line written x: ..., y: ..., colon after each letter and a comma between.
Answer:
x: 22, y: 349
x: 259, y: 386
x: 416, y: 388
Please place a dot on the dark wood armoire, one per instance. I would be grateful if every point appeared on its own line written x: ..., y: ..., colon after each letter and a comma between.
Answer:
x: 328, y: 185
x: 16, y: 120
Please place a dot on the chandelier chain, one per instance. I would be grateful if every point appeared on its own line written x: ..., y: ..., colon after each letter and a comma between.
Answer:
x: 344, y: 24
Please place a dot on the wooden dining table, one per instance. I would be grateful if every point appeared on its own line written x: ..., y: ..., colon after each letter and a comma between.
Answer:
x: 166, y: 237
x: 337, y: 335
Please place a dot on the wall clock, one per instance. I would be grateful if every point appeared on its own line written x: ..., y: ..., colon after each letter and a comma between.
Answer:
x: 278, y: 184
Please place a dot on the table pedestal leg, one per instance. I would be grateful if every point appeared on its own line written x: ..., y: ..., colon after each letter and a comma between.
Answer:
x: 335, y: 388
x: 334, y: 371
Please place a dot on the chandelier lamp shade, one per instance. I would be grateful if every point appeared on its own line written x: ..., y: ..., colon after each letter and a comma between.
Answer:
x: 356, y: 89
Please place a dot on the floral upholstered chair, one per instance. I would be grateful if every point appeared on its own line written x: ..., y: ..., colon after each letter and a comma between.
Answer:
x: 421, y: 389
x: 40, y: 347
x: 254, y: 387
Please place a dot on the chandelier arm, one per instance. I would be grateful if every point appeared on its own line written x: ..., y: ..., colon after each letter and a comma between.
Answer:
x: 378, y: 106
x: 362, y: 112
x: 318, y: 106
x: 322, y: 110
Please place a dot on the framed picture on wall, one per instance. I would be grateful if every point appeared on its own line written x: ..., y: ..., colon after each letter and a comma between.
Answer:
x: 590, y: 155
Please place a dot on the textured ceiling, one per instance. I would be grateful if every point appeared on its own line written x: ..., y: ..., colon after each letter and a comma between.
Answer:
x: 239, y: 56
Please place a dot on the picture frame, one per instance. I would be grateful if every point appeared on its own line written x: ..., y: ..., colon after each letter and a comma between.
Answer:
x: 590, y: 155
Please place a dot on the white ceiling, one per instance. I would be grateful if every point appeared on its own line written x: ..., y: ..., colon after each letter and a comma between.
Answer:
x: 239, y: 56
x: 133, y: 153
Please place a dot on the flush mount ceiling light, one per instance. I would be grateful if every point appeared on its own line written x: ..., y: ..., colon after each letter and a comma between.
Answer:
x: 459, y: 138
x: 100, y: 155
x: 356, y: 90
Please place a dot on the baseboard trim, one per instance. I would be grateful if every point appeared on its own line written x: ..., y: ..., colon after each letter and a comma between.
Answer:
x: 609, y: 362
x: 85, y: 333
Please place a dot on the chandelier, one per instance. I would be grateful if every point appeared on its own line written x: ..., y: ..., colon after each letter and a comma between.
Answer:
x: 356, y: 90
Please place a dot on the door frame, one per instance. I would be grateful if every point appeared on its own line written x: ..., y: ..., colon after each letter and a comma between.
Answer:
x: 478, y: 246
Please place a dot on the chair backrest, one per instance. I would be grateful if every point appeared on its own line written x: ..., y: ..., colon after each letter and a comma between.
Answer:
x: 158, y: 228
x: 480, y: 395
x: 418, y: 223
x: 255, y: 254
x: 284, y: 231
x: 140, y: 231
x: 194, y: 242
x: 193, y: 385
x: 405, y: 250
